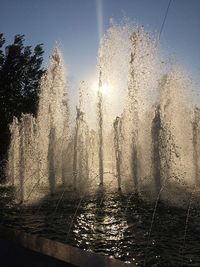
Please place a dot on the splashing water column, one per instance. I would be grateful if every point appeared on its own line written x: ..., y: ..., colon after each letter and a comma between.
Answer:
x: 133, y: 106
x: 156, y: 147
x: 100, y: 129
x: 79, y: 114
x: 117, y: 134
x: 22, y: 164
x: 51, y: 161
x: 195, y: 129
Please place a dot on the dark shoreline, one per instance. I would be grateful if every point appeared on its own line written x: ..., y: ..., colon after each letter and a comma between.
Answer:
x: 18, y: 248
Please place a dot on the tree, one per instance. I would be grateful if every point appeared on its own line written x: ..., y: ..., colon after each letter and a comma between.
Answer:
x: 20, y: 72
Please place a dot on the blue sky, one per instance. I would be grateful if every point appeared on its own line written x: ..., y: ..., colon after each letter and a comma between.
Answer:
x: 73, y: 23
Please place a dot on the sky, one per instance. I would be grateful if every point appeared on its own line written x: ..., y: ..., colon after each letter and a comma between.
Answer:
x: 76, y: 25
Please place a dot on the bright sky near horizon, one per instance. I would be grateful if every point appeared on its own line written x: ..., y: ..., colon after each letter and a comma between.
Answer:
x: 77, y: 24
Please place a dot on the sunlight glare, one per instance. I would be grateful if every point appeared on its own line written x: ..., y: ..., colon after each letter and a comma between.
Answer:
x: 105, y: 89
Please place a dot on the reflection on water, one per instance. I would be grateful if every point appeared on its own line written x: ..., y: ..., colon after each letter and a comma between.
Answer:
x: 112, y: 224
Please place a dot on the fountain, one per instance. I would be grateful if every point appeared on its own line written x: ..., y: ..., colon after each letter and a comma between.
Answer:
x: 145, y: 144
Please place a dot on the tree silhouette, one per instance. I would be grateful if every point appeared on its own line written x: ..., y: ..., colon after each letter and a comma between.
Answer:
x: 20, y: 72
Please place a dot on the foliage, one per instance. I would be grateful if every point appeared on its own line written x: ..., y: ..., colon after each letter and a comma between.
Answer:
x: 20, y: 72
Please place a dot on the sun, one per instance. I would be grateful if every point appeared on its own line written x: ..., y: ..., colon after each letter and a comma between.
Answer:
x: 105, y: 89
